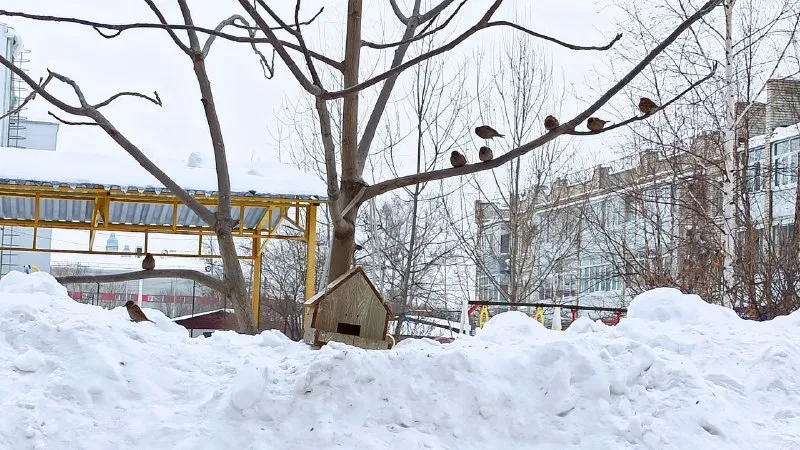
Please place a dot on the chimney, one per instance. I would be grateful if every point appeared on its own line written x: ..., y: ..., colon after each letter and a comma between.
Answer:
x: 600, y: 177
x: 559, y: 189
x: 647, y: 161
x: 783, y: 103
x: 708, y: 145
x: 754, y: 121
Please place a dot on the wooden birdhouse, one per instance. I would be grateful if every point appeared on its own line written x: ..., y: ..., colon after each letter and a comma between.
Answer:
x: 348, y: 310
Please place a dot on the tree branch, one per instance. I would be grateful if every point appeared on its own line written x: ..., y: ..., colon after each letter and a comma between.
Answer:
x: 422, y: 35
x: 155, y: 100
x: 206, y: 280
x: 638, y: 68
x: 482, y: 23
x: 31, y: 96
x: 568, y: 127
x: 267, y: 66
x: 332, y: 181
x: 163, y: 21
x: 378, y: 109
x: 119, y: 28
x: 642, y: 117
x: 69, y: 122
x: 310, y: 87
x: 86, y: 110
x: 212, y: 119
x: 398, y: 12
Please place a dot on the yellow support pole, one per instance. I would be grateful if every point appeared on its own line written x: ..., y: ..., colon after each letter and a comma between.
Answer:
x: 540, y: 315
x: 484, y: 316
x: 35, y: 220
x: 257, y: 280
x: 311, y: 249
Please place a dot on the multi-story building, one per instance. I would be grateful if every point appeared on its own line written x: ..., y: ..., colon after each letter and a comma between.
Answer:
x: 17, y: 131
x: 655, y: 219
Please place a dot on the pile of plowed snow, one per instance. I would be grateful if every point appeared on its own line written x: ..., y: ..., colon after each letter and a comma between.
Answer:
x: 677, y: 374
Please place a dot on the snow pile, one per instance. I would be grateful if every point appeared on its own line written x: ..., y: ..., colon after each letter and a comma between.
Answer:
x: 79, y: 377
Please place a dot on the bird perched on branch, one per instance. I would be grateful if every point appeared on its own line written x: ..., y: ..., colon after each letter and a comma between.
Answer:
x: 485, y: 154
x: 149, y: 263
x: 647, y: 106
x: 595, y: 124
x: 457, y: 159
x: 135, y: 312
x: 550, y: 123
x: 487, y: 132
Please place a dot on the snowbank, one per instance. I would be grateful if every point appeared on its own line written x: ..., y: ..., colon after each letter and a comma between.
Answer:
x: 74, y: 376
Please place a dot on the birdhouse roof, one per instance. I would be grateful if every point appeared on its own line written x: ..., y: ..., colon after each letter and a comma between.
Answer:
x: 355, y: 271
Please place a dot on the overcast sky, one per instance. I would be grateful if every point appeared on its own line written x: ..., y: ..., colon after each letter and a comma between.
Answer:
x: 248, y: 104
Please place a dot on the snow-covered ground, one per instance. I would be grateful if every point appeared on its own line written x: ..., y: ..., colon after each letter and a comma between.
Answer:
x: 677, y: 374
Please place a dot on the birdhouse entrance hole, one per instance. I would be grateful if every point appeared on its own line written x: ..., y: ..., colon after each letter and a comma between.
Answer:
x: 348, y: 328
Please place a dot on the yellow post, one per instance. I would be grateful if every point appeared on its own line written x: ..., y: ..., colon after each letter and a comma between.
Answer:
x: 311, y: 249
x: 484, y: 316
x: 257, y: 280
x: 539, y: 315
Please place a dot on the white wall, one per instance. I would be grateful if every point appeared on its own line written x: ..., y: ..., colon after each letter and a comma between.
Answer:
x: 38, y: 135
x: 6, y: 46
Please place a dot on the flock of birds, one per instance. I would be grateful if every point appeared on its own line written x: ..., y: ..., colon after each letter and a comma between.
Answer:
x: 485, y: 132
x: 457, y: 159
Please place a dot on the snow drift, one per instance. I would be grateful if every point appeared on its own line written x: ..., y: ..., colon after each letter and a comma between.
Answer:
x: 677, y: 374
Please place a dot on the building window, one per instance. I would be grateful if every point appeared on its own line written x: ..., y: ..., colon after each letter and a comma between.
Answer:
x: 754, y: 178
x: 505, y: 243
x: 601, y: 278
x: 630, y: 208
x: 785, y: 164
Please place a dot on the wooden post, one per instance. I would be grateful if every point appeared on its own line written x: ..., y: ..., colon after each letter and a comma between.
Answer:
x: 257, y: 280
x: 311, y: 249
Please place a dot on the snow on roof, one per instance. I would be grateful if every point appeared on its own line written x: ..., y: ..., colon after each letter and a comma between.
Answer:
x: 189, y: 316
x: 119, y: 170
x: 778, y: 134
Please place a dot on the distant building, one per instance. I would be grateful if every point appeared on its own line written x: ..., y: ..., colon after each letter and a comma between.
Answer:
x: 654, y: 219
x: 17, y: 131
x: 112, y: 245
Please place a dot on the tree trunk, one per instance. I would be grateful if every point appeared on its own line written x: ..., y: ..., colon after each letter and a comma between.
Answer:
x: 234, y: 279
x: 344, y: 231
x: 729, y: 149
x: 344, y: 235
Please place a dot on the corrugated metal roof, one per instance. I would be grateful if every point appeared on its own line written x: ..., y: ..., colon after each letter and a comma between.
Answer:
x: 57, y: 184
x: 58, y: 210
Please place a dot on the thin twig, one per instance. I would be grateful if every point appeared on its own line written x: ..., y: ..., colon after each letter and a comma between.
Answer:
x: 155, y: 100
x: 28, y: 99
x: 119, y: 28
x: 69, y: 122
x: 422, y: 35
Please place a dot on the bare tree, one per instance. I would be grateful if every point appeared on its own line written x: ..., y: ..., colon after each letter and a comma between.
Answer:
x: 510, y: 249
x: 753, y: 43
x: 348, y: 191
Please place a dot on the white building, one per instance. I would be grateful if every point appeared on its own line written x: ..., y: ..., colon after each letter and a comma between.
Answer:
x: 654, y: 220
x: 16, y: 131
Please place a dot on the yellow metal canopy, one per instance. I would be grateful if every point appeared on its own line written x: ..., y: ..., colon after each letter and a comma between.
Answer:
x: 53, y: 205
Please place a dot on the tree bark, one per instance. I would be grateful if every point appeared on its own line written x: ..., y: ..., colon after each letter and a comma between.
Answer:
x: 235, y: 282
x: 343, y: 245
